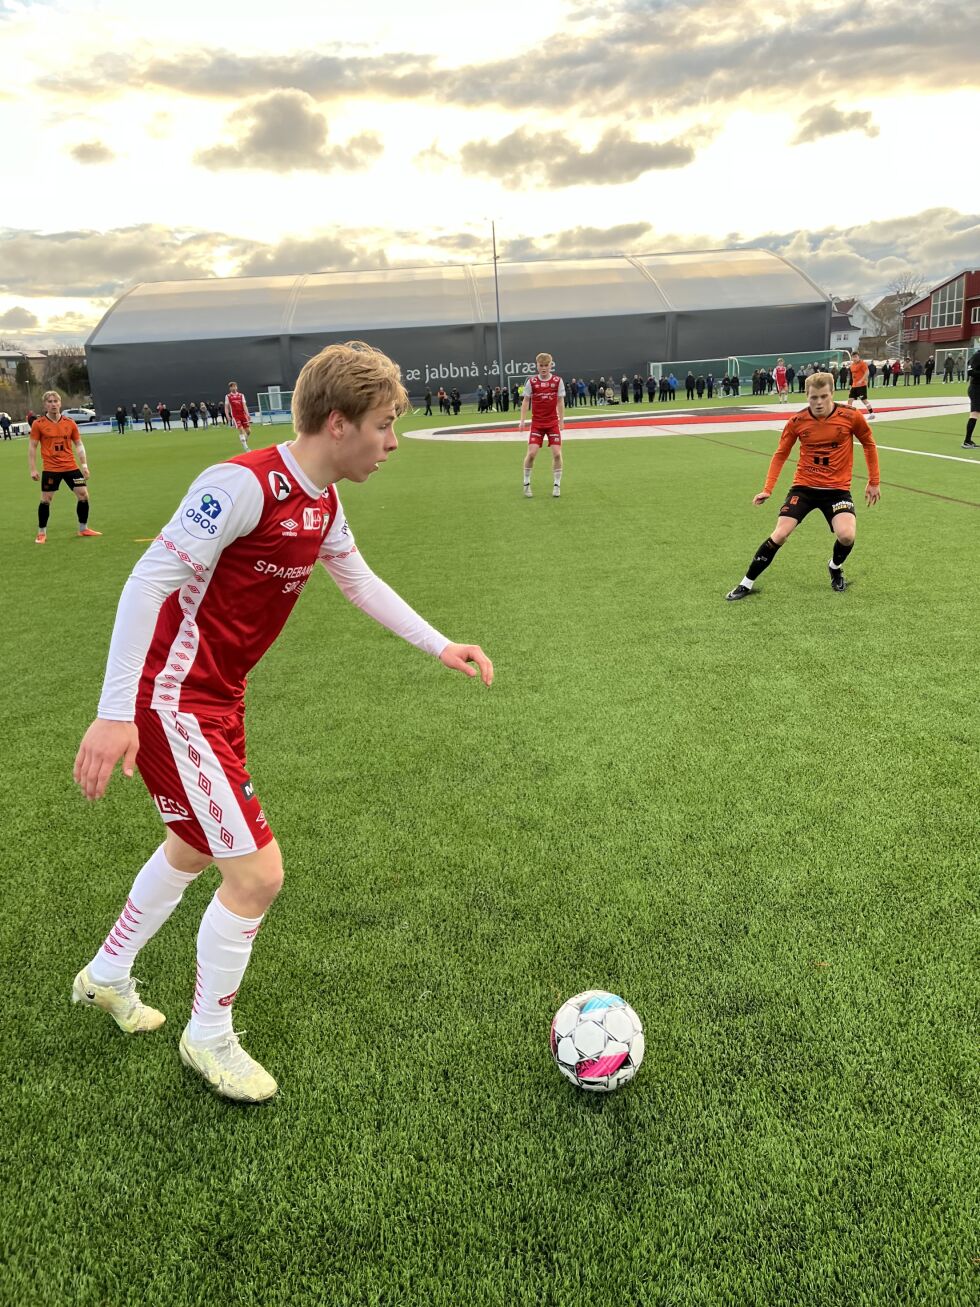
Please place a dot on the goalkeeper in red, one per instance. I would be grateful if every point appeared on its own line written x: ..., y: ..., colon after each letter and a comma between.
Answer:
x: 546, y: 395
x: 236, y: 413
x: 826, y: 431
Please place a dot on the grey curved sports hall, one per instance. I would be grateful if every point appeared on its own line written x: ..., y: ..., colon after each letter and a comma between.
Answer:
x: 183, y: 340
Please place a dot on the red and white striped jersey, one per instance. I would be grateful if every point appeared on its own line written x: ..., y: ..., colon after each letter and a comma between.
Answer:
x: 215, y: 588
x: 544, y: 394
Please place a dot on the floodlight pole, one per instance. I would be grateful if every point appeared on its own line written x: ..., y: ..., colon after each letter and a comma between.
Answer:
x: 496, y: 288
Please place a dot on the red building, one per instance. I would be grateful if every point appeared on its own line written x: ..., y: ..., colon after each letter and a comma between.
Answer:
x: 946, y: 321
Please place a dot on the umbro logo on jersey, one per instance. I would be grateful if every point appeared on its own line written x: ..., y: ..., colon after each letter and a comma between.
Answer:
x: 289, y: 527
x: 280, y: 485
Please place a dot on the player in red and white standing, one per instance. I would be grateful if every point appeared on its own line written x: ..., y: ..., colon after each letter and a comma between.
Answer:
x: 236, y: 412
x: 201, y: 607
x: 780, y: 381
x: 545, y: 393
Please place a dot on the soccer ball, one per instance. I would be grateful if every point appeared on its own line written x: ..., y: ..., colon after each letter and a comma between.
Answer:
x: 597, y: 1041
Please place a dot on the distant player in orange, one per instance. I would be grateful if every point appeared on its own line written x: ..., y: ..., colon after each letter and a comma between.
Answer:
x: 859, y: 383
x: 826, y: 432
x: 62, y: 459
x: 546, y: 395
x: 236, y: 411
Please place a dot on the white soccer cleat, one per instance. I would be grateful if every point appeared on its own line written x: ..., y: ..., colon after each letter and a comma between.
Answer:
x: 227, y: 1068
x: 556, y: 493
x: 124, y: 1005
x: 527, y: 492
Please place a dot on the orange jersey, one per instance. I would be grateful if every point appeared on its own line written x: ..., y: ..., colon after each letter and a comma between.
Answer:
x: 56, y: 440
x: 859, y: 372
x: 826, y: 449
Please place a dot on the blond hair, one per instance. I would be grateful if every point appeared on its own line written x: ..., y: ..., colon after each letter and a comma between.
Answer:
x: 819, y: 381
x: 351, y: 379
x: 50, y: 394
x: 542, y: 360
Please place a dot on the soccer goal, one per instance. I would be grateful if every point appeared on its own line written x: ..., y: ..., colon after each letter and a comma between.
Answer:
x: 275, y: 405
x: 700, y: 367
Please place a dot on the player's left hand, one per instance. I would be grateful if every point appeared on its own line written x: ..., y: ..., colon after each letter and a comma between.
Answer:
x: 459, y: 656
x: 872, y: 494
x: 84, y: 470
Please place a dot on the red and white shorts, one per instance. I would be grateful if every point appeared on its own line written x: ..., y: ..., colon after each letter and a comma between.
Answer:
x: 538, y: 434
x: 195, y: 770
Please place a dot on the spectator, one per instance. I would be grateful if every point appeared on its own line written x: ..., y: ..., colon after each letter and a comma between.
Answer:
x: 736, y: 382
x: 192, y: 410
x: 896, y: 372
x: 872, y: 373
x: 121, y: 418
x: 917, y: 370
x: 5, y: 425
x: 624, y: 390
x: 947, y: 369
x: 457, y: 399
x: 428, y: 403
x: 581, y: 393
x: 790, y: 377
x: 593, y: 391
x: 136, y: 415
x: 960, y: 364
x: 671, y: 386
x: 184, y: 415
x: 906, y: 370
x: 699, y: 385
x: 710, y: 384
x: 637, y: 388
x: 689, y: 383
x: 930, y: 368
x: 202, y: 408
x: 147, y: 418
x: 610, y: 395
x: 726, y: 384
x: 662, y: 390
x: 651, y: 389
x: 602, y: 390
x: 165, y: 416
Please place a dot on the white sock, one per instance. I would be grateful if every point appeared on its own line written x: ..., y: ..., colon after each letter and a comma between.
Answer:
x: 558, y: 472
x: 244, y: 440
x: 224, y: 945
x: 527, y: 477
x: 155, y: 894
x: 747, y: 583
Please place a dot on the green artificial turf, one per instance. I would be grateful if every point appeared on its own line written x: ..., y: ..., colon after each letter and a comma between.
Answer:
x: 757, y: 822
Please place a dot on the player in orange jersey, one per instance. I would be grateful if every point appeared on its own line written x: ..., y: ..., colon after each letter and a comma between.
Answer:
x: 859, y: 383
x: 56, y: 436
x: 826, y: 432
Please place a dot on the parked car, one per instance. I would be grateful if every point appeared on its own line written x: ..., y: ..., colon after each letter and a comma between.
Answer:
x: 79, y: 415
x: 20, y: 428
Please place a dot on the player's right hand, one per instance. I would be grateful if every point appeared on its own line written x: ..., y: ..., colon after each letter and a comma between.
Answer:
x: 102, y: 746
x: 35, y: 476
x: 761, y: 497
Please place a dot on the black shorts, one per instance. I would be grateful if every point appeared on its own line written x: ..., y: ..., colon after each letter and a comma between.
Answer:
x: 859, y: 392
x: 802, y: 500
x: 50, y: 481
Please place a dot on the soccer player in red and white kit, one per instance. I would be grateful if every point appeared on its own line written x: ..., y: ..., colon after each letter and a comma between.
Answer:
x: 201, y: 607
x: 546, y: 395
x: 779, y: 379
x: 236, y: 412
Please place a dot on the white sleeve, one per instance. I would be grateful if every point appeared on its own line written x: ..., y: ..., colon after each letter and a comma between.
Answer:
x: 224, y: 503
x: 561, y: 390
x: 527, y: 392
x: 340, y: 556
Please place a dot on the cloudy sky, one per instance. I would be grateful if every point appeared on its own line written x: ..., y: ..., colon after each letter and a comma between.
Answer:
x: 206, y: 138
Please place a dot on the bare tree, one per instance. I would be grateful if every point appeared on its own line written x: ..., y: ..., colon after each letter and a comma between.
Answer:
x: 907, y: 288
